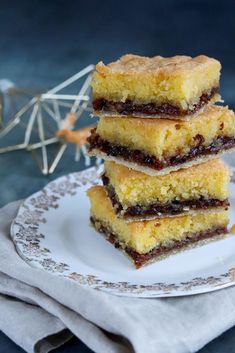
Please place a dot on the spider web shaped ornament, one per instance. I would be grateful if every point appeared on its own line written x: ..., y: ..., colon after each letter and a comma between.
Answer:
x: 45, y: 114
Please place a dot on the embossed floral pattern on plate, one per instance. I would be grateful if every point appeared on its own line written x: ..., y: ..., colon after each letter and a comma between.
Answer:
x: 29, y: 240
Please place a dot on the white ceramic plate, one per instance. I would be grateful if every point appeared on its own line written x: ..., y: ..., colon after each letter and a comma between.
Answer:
x: 52, y: 232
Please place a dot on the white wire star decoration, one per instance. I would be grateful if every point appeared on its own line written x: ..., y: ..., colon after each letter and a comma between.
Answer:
x: 49, y: 107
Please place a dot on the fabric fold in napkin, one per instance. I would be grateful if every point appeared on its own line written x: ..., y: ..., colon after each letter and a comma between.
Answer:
x: 40, y: 311
x: 30, y: 326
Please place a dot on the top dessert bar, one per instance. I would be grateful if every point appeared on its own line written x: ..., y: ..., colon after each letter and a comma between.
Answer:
x: 174, y: 88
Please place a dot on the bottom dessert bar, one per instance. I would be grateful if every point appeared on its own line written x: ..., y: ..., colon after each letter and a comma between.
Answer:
x: 161, y: 252
x: 148, y: 241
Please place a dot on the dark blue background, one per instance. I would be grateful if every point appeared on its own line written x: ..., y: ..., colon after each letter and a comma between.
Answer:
x: 44, y: 42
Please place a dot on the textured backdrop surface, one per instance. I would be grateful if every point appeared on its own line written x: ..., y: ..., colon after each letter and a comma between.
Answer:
x: 44, y: 42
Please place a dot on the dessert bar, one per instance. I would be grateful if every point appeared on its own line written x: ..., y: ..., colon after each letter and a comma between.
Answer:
x: 158, y: 146
x: 174, y: 88
x: 138, y: 196
x: 148, y: 241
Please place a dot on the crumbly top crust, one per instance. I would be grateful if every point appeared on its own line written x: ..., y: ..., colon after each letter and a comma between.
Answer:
x: 214, y: 165
x: 140, y: 64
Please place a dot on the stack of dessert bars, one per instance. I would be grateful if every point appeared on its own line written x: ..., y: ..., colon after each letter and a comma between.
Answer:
x: 160, y: 134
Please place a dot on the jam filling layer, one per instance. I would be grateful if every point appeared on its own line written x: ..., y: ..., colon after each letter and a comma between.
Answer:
x: 131, y: 108
x: 147, y: 160
x: 169, y: 208
x: 142, y: 259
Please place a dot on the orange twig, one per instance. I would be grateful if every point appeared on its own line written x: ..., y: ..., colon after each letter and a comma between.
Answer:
x: 78, y: 137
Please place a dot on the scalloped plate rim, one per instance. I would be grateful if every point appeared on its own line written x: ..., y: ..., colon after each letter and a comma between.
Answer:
x: 224, y: 280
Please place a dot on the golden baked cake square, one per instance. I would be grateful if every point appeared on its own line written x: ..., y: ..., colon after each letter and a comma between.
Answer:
x: 148, y: 241
x: 159, y: 146
x: 138, y: 196
x: 138, y: 86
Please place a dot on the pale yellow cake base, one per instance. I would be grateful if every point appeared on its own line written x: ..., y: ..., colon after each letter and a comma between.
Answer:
x: 189, y: 212
x: 145, y: 236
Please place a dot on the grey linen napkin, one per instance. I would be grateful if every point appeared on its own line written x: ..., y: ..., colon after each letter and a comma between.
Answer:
x: 40, y: 311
